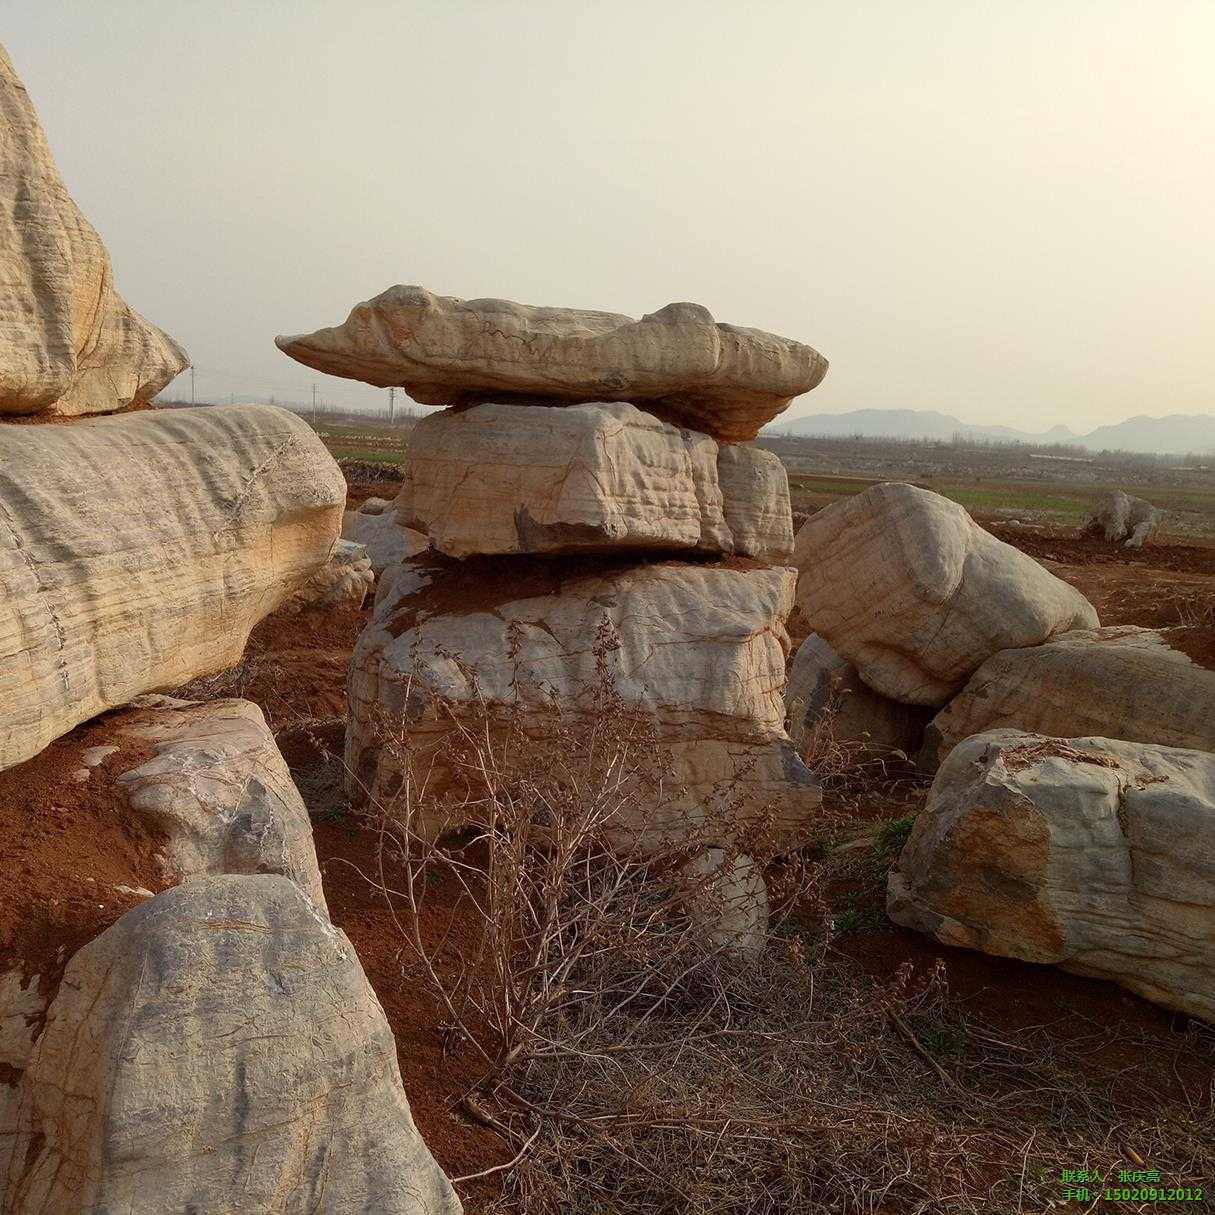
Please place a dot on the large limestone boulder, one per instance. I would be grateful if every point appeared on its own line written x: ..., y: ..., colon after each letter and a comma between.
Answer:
x: 385, y: 541
x: 905, y: 585
x: 698, y: 649
x: 69, y: 344
x: 528, y: 479
x: 138, y: 551
x: 218, y: 1049
x: 1095, y: 855
x: 1123, y: 519
x: 219, y: 791
x: 828, y: 703
x: 1120, y: 682
x: 678, y: 362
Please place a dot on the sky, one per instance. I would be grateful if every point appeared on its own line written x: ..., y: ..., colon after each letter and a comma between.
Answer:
x: 999, y: 210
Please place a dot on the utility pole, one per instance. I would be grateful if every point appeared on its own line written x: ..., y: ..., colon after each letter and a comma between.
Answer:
x: 392, y: 405
x: 191, y: 383
x: 314, y: 398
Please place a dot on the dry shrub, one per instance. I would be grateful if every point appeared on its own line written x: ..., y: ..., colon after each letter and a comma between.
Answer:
x: 637, y: 1066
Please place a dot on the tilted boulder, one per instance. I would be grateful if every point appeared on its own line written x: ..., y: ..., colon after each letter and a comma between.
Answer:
x: 905, y: 585
x: 343, y: 581
x: 1122, y: 519
x: 1120, y: 682
x: 678, y: 362
x: 138, y: 551
x: 387, y: 543
x: 218, y: 1049
x: 1092, y: 854
x: 594, y: 477
x: 824, y: 696
x: 220, y: 791
x: 69, y: 344
x: 698, y: 649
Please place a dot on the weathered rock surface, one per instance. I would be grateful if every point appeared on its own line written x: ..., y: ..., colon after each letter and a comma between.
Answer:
x: 1125, y: 520
x: 678, y: 362
x: 218, y: 1049
x: 1123, y: 681
x: 602, y: 476
x: 1093, y: 854
x: 728, y: 900
x: 701, y: 652
x: 220, y: 791
x: 138, y: 551
x: 387, y: 543
x: 343, y: 581
x: 69, y: 344
x: 905, y: 585
x: 825, y: 696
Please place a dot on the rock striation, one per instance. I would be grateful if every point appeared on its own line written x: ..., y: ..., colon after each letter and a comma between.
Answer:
x: 138, y: 551
x: 1092, y: 854
x: 69, y: 344
x: 1125, y: 682
x: 677, y: 363
x: 218, y: 1049
x: 604, y: 476
x: 698, y: 649
x: 908, y: 588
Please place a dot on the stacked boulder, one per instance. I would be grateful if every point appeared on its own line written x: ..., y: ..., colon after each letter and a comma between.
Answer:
x: 216, y: 1046
x: 591, y: 476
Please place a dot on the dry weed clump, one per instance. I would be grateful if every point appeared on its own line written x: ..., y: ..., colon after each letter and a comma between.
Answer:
x: 636, y: 1066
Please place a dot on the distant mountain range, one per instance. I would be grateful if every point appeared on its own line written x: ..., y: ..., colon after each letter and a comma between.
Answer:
x: 1175, y: 434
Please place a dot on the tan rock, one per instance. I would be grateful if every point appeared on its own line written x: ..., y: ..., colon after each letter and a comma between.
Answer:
x: 387, y: 543
x: 218, y: 1049
x: 69, y: 344
x: 906, y: 586
x: 677, y: 362
x: 138, y: 551
x: 529, y: 479
x: 1123, y: 682
x: 220, y: 791
x: 1095, y: 855
x: 344, y: 580
x: 701, y: 653
x: 827, y: 703
x: 755, y: 494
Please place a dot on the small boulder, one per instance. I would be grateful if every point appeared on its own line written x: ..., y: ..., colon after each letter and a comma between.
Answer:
x: 904, y: 584
x: 727, y: 900
x: 1122, y: 519
x: 345, y: 580
x: 1092, y: 854
x: 385, y: 541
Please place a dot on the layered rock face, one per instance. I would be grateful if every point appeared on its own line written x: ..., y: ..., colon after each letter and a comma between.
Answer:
x: 533, y: 479
x: 218, y: 1049
x: 1095, y: 855
x: 825, y: 696
x: 1127, y: 682
x: 906, y: 586
x: 1123, y: 519
x: 677, y: 363
x: 699, y: 649
x: 69, y: 344
x: 138, y: 551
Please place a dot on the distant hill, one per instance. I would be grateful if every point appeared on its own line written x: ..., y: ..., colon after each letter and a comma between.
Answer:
x: 1174, y: 434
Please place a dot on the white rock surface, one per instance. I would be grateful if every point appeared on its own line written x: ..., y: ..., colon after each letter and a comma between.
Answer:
x: 529, y: 479
x: 69, y: 344
x: 1120, y: 682
x: 755, y: 496
x: 1095, y: 855
x: 220, y: 791
x: 387, y: 543
x: 138, y: 551
x: 701, y: 652
x: 728, y: 899
x: 345, y: 580
x: 827, y: 702
x: 905, y: 585
x: 1125, y: 520
x: 218, y: 1049
x: 678, y: 362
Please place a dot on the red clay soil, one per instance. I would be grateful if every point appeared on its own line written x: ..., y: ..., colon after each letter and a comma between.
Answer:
x: 357, y: 494
x: 65, y: 848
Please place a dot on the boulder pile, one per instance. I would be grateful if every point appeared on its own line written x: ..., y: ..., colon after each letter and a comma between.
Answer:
x: 589, y: 478
x: 181, y: 1026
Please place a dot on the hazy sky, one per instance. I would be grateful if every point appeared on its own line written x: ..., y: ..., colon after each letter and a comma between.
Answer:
x: 1001, y: 210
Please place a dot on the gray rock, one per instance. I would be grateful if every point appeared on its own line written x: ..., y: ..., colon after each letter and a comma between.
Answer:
x: 1125, y: 520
